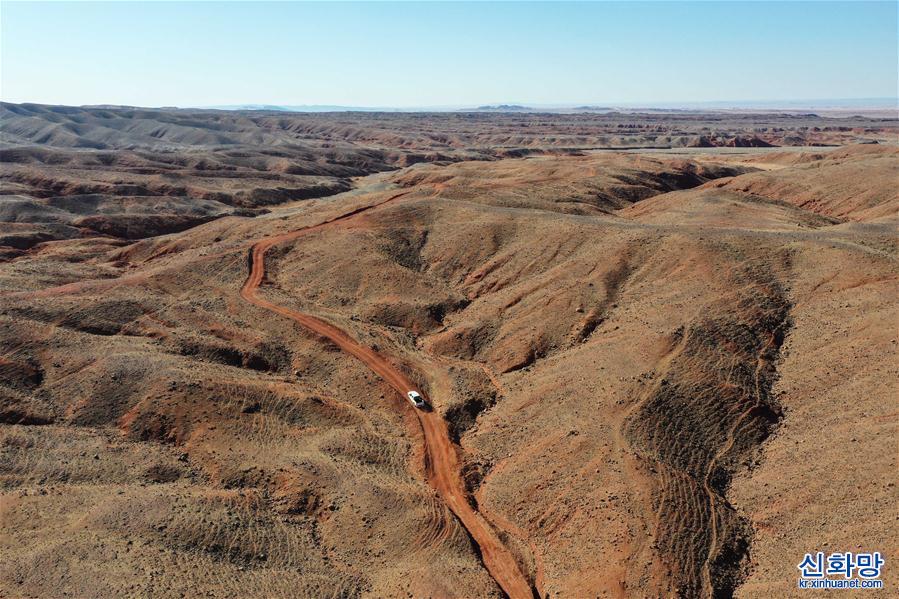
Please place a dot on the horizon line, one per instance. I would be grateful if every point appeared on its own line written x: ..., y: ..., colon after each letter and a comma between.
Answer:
x: 875, y: 102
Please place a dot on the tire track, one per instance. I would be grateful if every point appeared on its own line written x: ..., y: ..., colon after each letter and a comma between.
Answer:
x: 708, y: 411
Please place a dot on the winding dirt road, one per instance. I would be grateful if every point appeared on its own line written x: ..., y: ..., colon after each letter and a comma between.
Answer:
x: 443, y: 460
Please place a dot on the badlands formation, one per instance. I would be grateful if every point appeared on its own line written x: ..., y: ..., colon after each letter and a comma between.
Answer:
x: 659, y: 351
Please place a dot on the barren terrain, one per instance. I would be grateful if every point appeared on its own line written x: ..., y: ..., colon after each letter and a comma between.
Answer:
x: 660, y: 352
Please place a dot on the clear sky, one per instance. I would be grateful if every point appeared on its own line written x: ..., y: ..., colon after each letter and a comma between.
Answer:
x: 429, y: 54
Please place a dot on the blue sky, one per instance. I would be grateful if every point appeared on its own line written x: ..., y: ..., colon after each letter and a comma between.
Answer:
x: 431, y: 54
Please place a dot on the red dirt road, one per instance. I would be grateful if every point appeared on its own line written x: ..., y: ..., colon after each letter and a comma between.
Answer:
x: 443, y: 460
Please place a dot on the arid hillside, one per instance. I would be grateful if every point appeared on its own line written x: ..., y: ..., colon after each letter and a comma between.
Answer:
x: 134, y: 173
x: 666, y: 372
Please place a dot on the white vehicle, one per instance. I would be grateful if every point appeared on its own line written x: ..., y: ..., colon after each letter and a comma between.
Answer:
x: 417, y: 400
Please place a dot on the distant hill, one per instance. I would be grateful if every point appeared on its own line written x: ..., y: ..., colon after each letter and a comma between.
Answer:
x: 505, y: 108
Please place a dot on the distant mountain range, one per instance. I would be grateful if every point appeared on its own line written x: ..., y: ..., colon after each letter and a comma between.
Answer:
x: 885, y: 104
